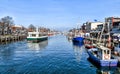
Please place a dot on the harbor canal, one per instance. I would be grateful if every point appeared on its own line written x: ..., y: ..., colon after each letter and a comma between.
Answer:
x: 57, y: 55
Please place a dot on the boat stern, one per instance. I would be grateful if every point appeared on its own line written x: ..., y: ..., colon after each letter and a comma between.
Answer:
x: 110, y: 63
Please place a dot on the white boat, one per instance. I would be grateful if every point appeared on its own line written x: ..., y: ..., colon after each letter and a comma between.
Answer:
x: 36, y: 36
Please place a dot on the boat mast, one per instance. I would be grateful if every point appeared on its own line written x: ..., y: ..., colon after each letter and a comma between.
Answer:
x: 37, y: 30
x: 101, y: 33
x: 109, y: 38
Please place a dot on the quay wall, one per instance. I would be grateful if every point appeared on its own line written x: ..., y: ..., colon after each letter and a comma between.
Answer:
x: 11, y: 38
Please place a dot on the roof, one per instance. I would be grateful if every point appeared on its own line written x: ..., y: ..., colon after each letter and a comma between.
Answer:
x: 17, y: 26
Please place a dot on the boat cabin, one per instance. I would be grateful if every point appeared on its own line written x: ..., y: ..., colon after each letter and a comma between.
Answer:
x: 105, y: 53
x: 35, y: 34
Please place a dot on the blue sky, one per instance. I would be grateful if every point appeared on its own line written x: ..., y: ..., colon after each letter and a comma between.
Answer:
x: 59, y: 14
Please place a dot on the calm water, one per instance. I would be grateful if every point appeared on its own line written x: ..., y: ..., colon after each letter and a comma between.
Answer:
x: 55, y: 56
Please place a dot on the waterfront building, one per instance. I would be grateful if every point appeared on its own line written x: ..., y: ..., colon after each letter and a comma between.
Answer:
x: 115, y: 28
x: 114, y: 21
x: 18, y: 30
x: 92, y: 26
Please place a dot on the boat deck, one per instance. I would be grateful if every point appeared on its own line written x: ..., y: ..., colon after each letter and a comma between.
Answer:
x: 116, y: 57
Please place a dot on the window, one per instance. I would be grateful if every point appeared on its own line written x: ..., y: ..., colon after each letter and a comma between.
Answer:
x: 104, y: 51
x: 108, y: 52
x: 41, y: 34
x: 33, y: 35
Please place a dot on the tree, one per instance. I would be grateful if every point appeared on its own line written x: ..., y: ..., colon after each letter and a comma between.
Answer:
x: 2, y: 27
x: 6, y: 22
x: 32, y: 27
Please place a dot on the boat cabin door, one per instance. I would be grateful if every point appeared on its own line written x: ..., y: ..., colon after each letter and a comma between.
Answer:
x: 106, y: 54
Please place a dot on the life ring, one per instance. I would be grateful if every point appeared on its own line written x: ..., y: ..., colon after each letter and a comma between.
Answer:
x: 106, y: 56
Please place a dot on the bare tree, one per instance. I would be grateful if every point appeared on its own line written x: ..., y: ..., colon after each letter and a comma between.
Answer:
x: 6, y: 21
x: 32, y: 27
x: 2, y: 27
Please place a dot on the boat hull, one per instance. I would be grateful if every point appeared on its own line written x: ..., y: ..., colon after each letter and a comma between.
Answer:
x: 89, y: 46
x: 118, y: 63
x: 78, y: 44
x: 116, y: 57
x: 78, y: 39
x: 102, y: 63
x: 38, y: 39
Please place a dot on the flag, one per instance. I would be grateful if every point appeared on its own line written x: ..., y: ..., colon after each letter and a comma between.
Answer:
x: 95, y: 20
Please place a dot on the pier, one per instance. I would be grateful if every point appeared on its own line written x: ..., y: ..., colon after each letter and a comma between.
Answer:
x: 11, y: 38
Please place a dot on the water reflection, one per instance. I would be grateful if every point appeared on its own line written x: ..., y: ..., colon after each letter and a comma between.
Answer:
x: 117, y: 71
x: 5, y: 52
x: 69, y: 39
x: 98, y: 71
x: 78, y: 50
x: 106, y: 70
x: 38, y: 46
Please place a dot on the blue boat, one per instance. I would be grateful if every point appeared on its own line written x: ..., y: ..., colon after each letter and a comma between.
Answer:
x: 78, y: 44
x: 101, y: 56
x: 78, y: 39
x: 116, y: 53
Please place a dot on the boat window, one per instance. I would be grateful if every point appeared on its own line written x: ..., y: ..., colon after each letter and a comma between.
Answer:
x: 104, y: 51
x: 40, y: 35
x: 30, y: 35
x: 44, y: 34
x: 34, y: 35
x: 108, y: 52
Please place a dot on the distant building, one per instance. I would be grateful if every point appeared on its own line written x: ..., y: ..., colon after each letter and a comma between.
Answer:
x: 114, y: 21
x: 99, y: 27
x: 18, y: 30
x: 92, y: 26
x: 83, y: 27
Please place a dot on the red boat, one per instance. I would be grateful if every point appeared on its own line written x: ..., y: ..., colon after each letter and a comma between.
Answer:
x: 89, y: 46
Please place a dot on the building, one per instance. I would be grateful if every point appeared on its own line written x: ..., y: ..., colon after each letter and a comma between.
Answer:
x: 114, y: 22
x: 83, y: 28
x: 92, y: 26
x: 115, y: 27
x: 18, y: 30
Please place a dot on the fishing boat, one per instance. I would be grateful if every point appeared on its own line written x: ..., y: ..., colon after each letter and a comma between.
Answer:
x: 78, y: 39
x: 78, y: 36
x: 78, y: 44
x: 89, y: 46
x: 116, y: 53
x: 101, y: 56
x: 36, y: 36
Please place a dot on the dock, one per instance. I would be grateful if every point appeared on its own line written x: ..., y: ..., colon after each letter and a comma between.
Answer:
x: 11, y: 38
